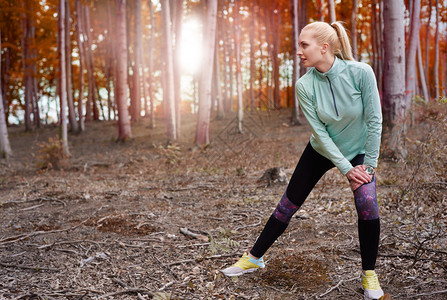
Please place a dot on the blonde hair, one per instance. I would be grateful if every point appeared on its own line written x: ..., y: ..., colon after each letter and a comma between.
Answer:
x: 335, y: 35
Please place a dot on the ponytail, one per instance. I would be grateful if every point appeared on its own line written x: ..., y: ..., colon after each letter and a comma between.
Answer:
x: 335, y: 35
x: 344, y: 51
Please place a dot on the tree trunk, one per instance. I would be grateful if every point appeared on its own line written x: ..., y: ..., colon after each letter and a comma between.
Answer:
x: 355, y: 4
x: 168, y: 89
x: 121, y: 88
x: 27, y: 47
x: 135, y: 106
x: 411, y: 74
x: 275, y: 24
x: 5, y: 148
x: 178, y: 16
x: 216, y: 81
x: 204, y: 113
x: 422, y: 74
x: 91, y: 101
x: 110, y: 61
x: 79, y: 29
x: 303, y: 19
x: 427, y: 43
x: 252, y: 54
x: 237, y: 44
x: 63, y: 76
x: 394, y: 104
x: 436, y: 63
x: 331, y: 8
x: 151, y: 90
x: 71, y: 109
x: 296, y: 67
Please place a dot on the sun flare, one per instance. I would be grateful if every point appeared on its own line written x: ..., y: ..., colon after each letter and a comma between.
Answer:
x: 191, y: 48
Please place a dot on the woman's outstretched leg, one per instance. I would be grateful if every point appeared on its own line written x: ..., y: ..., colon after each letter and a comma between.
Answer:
x: 311, y: 167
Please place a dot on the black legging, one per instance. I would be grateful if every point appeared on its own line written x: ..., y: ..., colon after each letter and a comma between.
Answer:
x: 311, y: 167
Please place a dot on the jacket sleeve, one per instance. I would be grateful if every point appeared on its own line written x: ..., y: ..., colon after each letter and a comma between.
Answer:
x: 373, y: 117
x: 319, y: 131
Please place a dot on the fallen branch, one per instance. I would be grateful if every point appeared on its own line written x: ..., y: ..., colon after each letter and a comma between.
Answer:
x: 187, y: 232
x: 128, y: 291
x: 429, y: 294
x: 336, y: 286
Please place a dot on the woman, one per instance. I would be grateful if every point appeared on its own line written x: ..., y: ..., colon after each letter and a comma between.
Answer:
x: 341, y: 103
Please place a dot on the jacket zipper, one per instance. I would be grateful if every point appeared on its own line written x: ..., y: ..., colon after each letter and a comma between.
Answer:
x: 333, y: 97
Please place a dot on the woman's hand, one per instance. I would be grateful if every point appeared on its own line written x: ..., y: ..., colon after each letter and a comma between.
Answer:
x: 358, y: 176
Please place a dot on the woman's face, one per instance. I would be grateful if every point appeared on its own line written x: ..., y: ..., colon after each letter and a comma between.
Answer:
x: 309, y: 51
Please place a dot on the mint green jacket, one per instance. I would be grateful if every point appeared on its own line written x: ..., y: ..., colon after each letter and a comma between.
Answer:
x: 343, y: 109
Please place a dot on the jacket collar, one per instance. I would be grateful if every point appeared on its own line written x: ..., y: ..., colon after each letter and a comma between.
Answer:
x: 333, y: 72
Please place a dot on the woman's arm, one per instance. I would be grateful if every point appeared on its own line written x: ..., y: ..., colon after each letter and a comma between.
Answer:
x: 319, y: 131
x: 373, y: 116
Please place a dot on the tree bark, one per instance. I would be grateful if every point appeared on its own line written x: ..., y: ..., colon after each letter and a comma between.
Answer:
x: 5, y: 148
x: 27, y: 46
x: 237, y: 44
x: 63, y: 76
x: 91, y: 101
x: 275, y: 24
x: 355, y: 4
x: 436, y: 62
x: 422, y: 74
x: 252, y: 54
x: 79, y: 29
x: 135, y: 106
x: 394, y: 104
x: 411, y: 74
x: 296, y: 67
x: 427, y: 43
x: 204, y: 113
x: 121, y: 88
x: 168, y: 89
x: 331, y: 8
x: 178, y: 15
x: 151, y: 90
x: 68, y: 61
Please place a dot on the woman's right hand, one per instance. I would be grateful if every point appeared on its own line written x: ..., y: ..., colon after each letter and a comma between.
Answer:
x: 358, y: 176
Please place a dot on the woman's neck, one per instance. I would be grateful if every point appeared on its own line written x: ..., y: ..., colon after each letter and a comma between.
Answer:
x: 326, y: 64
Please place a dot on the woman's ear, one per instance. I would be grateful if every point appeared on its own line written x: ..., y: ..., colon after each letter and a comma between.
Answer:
x: 324, y: 48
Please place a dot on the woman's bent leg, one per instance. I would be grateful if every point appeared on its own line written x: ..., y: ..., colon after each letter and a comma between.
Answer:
x: 311, y: 167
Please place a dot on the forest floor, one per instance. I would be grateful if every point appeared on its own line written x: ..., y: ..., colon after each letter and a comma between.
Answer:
x: 141, y: 219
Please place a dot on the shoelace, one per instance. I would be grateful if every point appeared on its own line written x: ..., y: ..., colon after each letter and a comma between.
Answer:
x: 372, y: 282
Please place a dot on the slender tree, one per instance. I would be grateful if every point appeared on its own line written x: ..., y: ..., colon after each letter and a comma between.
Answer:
x: 80, y: 39
x: 411, y: 74
x: 63, y: 76
x: 237, y: 44
x: 394, y: 104
x: 5, y: 148
x: 177, y: 32
x: 436, y: 62
x: 151, y: 90
x: 331, y: 8
x: 355, y: 4
x: 296, y: 67
x: 68, y: 61
x: 121, y: 89
x: 28, y: 45
x: 168, y: 88
x: 204, y: 113
x: 422, y: 78
x: 135, y: 106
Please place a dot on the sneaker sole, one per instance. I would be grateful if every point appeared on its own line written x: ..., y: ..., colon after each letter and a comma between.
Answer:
x: 384, y: 297
x: 240, y: 273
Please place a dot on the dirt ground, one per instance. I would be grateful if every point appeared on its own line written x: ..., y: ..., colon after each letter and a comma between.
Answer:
x: 141, y: 219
